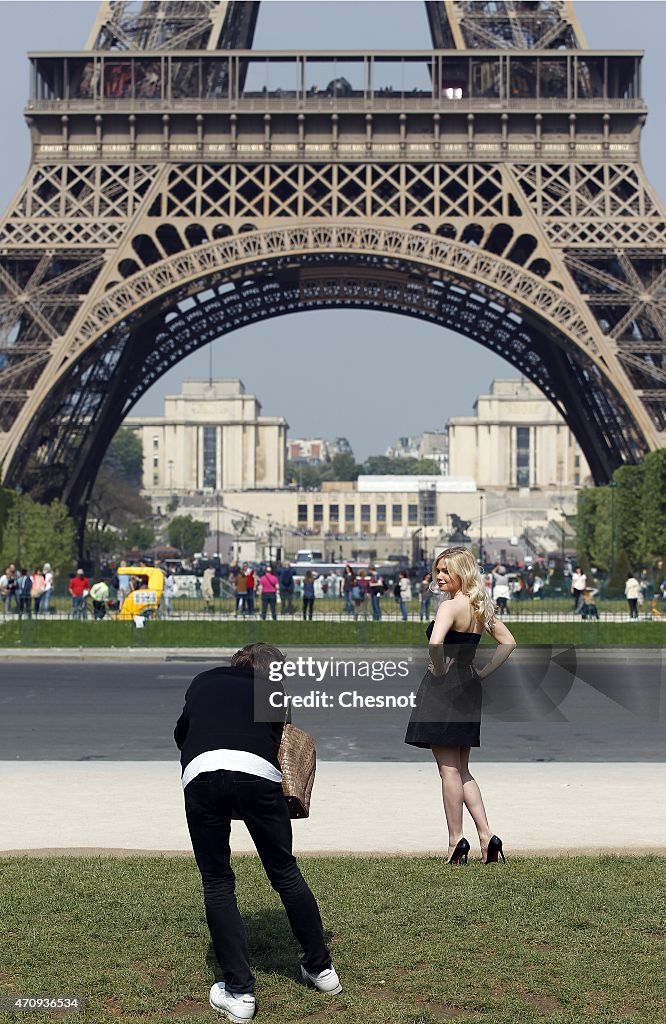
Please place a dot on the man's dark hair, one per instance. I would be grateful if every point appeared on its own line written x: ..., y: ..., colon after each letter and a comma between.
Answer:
x: 258, y: 657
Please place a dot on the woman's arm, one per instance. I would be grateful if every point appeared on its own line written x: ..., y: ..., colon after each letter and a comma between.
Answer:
x: 506, y: 645
x: 443, y: 623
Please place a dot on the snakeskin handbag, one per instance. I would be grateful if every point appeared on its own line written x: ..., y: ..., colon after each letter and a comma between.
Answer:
x: 297, y: 757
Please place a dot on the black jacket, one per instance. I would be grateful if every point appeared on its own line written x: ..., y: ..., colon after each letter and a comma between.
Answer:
x: 223, y: 710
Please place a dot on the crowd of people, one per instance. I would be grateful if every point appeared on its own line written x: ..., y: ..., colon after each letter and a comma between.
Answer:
x: 24, y: 592
x: 266, y: 589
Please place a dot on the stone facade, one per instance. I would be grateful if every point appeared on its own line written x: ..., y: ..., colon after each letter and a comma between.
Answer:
x: 211, y: 438
x: 516, y: 440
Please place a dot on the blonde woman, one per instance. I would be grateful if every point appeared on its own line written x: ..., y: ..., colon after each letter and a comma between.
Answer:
x: 447, y: 716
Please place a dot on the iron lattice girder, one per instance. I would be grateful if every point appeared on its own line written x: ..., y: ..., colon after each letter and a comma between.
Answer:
x: 88, y: 401
x: 504, y: 25
x: 169, y: 24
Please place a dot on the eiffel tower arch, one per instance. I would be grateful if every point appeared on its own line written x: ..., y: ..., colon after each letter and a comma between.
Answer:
x: 183, y: 185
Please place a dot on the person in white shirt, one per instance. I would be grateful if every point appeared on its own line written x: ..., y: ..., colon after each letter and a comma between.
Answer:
x: 578, y: 586
x: 405, y: 594
x: 48, y: 587
x: 632, y: 592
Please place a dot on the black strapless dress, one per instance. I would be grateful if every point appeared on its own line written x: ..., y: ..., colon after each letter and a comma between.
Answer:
x: 448, y: 708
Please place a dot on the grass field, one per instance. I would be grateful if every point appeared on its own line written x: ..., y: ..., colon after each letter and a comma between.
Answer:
x: 236, y: 632
x: 562, y: 941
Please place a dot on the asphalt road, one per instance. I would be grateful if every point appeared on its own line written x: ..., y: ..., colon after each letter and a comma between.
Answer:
x: 118, y: 711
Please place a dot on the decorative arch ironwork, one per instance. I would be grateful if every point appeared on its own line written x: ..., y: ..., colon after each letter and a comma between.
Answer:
x: 142, y: 327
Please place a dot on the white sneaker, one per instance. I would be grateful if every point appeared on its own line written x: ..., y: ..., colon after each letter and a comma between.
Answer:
x: 238, y: 1008
x: 327, y: 981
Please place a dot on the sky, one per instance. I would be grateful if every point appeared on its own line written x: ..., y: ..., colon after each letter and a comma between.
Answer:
x: 368, y: 376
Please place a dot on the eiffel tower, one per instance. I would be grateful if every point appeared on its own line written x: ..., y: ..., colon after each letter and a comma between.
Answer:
x: 183, y: 185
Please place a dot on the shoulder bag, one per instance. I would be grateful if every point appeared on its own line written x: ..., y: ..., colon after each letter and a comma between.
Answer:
x: 297, y: 758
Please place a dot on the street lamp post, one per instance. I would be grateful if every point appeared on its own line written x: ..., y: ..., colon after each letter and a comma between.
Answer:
x: 19, y: 491
x: 269, y: 533
x: 217, y: 522
x: 612, y: 484
x: 481, y: 558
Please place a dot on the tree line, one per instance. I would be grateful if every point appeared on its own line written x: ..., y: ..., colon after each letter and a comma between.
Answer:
x: 625, y: 521
x: 344, y: 466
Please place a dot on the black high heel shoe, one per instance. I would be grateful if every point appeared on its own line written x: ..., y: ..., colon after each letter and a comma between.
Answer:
x: 459, y: 855
x: 494, y: 851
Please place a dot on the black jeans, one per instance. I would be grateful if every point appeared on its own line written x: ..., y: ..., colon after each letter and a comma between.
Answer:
x: 209, y: 801
x: 308, y: 607
x: 268, y: 601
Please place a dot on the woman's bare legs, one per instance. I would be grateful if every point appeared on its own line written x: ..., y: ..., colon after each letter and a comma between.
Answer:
x: 474, y: 801
x: 460, y: 787
x: 448, y: 762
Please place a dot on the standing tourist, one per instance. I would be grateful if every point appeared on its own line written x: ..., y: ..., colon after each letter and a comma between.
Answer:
x: 347, y: 588
x: 269, y: 584
x: 79, y: 588
x: 249, y: 576
x: 286, y: 575
x: 501, y: 589
x: 405, y: 593
x: 578, y: 587
x: 8, y: 588
x: 308, y: 595
x: 49, y: 581
x: 632, y: 592
x: 24, y: 593
x: 207, y: 588
x: 361, y: 594
x: 376, y: 592
x: 168, y: 591
x: 38, y: 584
x: 240, y: 586
x: 425, y: 597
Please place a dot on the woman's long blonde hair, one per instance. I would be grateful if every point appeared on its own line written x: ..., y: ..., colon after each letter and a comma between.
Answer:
x: 461, y: 563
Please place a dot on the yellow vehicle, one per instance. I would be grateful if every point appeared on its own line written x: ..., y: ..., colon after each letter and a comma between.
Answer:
x: 146, y: 593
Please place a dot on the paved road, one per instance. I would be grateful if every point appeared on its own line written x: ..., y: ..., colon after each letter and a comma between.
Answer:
x: 120, y: 711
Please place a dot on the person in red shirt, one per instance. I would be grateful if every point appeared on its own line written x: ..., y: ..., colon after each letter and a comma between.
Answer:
x: 249, y: 576
x: 79, y: 588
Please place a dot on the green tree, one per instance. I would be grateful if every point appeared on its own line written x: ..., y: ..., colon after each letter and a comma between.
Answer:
x: 187, y: 534
x: 385, y: 465
x: 424, y: 467
x: 618, y: 579
x: 342, y: 466
x: 586, y: 522
x: 34, y: 534
x: 654, y: 505
x: 304, y: 475
x: 629, y: 525
x: 139, y: 535
x: 6, y: 501
x: 124, y: 457
x: 600, y: 547
x: 101, y: 543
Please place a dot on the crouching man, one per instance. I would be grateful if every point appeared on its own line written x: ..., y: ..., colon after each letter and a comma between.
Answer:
x: 230, y: 768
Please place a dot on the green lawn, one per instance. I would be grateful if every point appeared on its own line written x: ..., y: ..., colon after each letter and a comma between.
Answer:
x: 568, y: 941
x: 232, y: 633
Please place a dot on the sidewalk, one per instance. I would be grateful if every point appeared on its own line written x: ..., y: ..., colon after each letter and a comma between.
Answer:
x: 357, y: 808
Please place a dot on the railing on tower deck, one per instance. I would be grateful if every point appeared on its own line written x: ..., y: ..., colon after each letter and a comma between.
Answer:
x: 337, y: 80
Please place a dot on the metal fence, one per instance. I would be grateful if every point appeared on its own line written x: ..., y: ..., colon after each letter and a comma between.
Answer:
x: 225, y: 621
